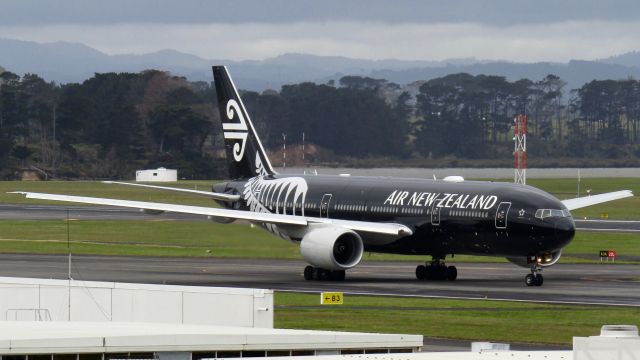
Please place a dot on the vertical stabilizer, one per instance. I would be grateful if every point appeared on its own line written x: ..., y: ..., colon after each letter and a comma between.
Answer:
x: 246, y: 157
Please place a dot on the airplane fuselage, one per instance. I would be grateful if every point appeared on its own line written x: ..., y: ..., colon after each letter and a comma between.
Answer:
x: 468, y: 217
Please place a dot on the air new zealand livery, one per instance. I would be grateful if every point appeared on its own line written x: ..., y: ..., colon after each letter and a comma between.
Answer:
x: 335, y: 219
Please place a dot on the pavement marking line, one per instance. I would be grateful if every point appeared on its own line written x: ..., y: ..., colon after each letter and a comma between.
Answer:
x: 609, y: 230
x: 552, y: 302
x: 101, y: 243
x: 610, y: 221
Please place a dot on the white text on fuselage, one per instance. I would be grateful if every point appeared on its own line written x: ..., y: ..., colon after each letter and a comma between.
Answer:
x: 446, y: 200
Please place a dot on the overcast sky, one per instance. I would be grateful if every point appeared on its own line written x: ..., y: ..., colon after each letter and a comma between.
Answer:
x: 527, y: 31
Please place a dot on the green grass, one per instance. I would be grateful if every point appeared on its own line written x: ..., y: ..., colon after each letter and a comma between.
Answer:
x: 628, y: 209
x: 194, y: 238
x: 481, y: 320
x: 562, y: 188
x: 152, y: 238
x: 99, y: 189
x: 205, y: 238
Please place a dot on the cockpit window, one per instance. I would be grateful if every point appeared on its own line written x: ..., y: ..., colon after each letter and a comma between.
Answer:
x: 545, y: 213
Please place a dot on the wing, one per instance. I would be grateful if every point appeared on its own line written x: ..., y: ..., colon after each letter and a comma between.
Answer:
x: 213, y: 195
x: 585, y: 201
x: 364, y: 226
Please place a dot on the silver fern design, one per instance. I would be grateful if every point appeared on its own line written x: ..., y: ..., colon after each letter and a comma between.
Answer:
x: 280, y: 196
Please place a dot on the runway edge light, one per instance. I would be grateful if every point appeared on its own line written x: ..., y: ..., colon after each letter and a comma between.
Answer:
x: 331, y: 298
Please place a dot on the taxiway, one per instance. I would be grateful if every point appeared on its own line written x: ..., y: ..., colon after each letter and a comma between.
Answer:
x: 601, y: 284
x: 55, y: 212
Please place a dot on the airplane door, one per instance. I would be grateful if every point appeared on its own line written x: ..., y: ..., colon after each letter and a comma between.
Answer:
x: 435, y: 214
x: 502, y: 214
x: 324, y: 205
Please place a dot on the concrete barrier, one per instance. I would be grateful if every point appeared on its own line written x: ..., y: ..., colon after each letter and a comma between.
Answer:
x: 62, y: 300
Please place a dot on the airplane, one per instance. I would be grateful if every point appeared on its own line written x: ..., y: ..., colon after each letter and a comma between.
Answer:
x: 335, y: 219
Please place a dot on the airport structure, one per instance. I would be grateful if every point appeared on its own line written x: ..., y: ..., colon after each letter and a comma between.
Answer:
x: 78, y: 320
x: 81, y: 320
x: 159, y: 175
x: 520, y: 150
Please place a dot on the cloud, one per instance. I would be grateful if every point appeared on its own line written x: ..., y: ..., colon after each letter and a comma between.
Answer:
x: 560, y: 41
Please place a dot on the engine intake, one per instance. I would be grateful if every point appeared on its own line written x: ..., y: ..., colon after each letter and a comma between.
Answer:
x: 332, y: 248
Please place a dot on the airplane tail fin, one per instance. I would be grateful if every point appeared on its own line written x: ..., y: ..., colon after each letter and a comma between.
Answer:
x: 246, y: 157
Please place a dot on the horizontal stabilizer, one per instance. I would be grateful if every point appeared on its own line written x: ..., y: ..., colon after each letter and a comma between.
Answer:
x: 585, y: 201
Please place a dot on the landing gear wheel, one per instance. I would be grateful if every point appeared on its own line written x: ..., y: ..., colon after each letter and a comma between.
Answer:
x: 436, y: 270
x: 320, y: 274
x: 308, y: 272
x: 529, y: 280
x: 314, y: 273
x: 538, y: 280
x: 452, y: 273
x: 535, y: 278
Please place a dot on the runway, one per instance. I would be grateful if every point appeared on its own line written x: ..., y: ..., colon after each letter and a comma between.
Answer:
x: 59, y: 212
x: 602, y: 284
x: 55, y: 212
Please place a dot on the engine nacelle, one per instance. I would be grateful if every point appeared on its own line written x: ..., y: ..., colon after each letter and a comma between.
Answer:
x: 221, y: 220
x: 151, y: 212
x: 543, y: 260
x: 332, y: 248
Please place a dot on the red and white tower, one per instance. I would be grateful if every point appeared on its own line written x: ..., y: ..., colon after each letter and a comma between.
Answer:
x: 520, y: 151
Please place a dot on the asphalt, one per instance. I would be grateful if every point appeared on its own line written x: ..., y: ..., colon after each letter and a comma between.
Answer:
x: 604, y: 284
x: 55, y: 212
x: 588, y: 284
x: 594, y: 285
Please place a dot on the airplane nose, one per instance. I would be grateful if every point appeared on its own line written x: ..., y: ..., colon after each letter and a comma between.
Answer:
x: 565, y: 230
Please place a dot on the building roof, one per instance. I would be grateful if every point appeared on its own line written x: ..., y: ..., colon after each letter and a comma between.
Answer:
x: 28, y: 337
x: 456, y: 355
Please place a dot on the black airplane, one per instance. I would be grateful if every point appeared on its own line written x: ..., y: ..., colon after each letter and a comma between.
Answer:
x: 335, y: 219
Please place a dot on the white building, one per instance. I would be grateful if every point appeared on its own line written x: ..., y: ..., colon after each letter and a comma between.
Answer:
x: 86, y: 320
x: 159, y: 174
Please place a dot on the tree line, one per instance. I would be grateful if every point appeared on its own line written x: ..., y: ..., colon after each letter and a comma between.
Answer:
x: 114, y: 123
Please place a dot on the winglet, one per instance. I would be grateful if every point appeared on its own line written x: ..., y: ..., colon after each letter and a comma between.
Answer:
x: 585, y: 201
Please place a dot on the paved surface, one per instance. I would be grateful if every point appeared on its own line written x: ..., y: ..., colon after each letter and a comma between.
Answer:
x: 627, y: 226
x: 602, y: 284
x: 55, y: 212
x: 471, y: 173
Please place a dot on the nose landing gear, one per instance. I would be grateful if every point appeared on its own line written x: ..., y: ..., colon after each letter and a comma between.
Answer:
x: 535, y: 278
x: 436, y: 270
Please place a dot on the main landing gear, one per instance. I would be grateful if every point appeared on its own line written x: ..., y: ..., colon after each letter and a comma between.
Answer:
x: 314, y: 273
x: 436, y: 270
x: 534, y: 279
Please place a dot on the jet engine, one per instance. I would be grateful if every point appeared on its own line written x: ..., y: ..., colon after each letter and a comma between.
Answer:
x: 221, y: 220
x: 332, y: 248
x: 543, y: 260
x: 151, y: 212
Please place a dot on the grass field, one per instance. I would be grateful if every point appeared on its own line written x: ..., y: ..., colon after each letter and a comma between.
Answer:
x: 99, y: 189
x: 201, y: 238
x: 204, y: 238
x: 481, y: 320
x: 626, y: 209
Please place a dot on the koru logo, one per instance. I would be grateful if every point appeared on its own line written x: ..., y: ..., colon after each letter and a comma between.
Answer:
x: 235, y: 131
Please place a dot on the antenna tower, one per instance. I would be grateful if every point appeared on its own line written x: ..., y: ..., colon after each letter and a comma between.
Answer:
x: 520, y: 150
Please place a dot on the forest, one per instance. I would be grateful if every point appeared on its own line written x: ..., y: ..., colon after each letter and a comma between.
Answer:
x: 114, y: 123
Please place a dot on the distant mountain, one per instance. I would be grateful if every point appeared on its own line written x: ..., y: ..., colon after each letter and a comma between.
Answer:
x: 71, y: 62
x: 631, y: 59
